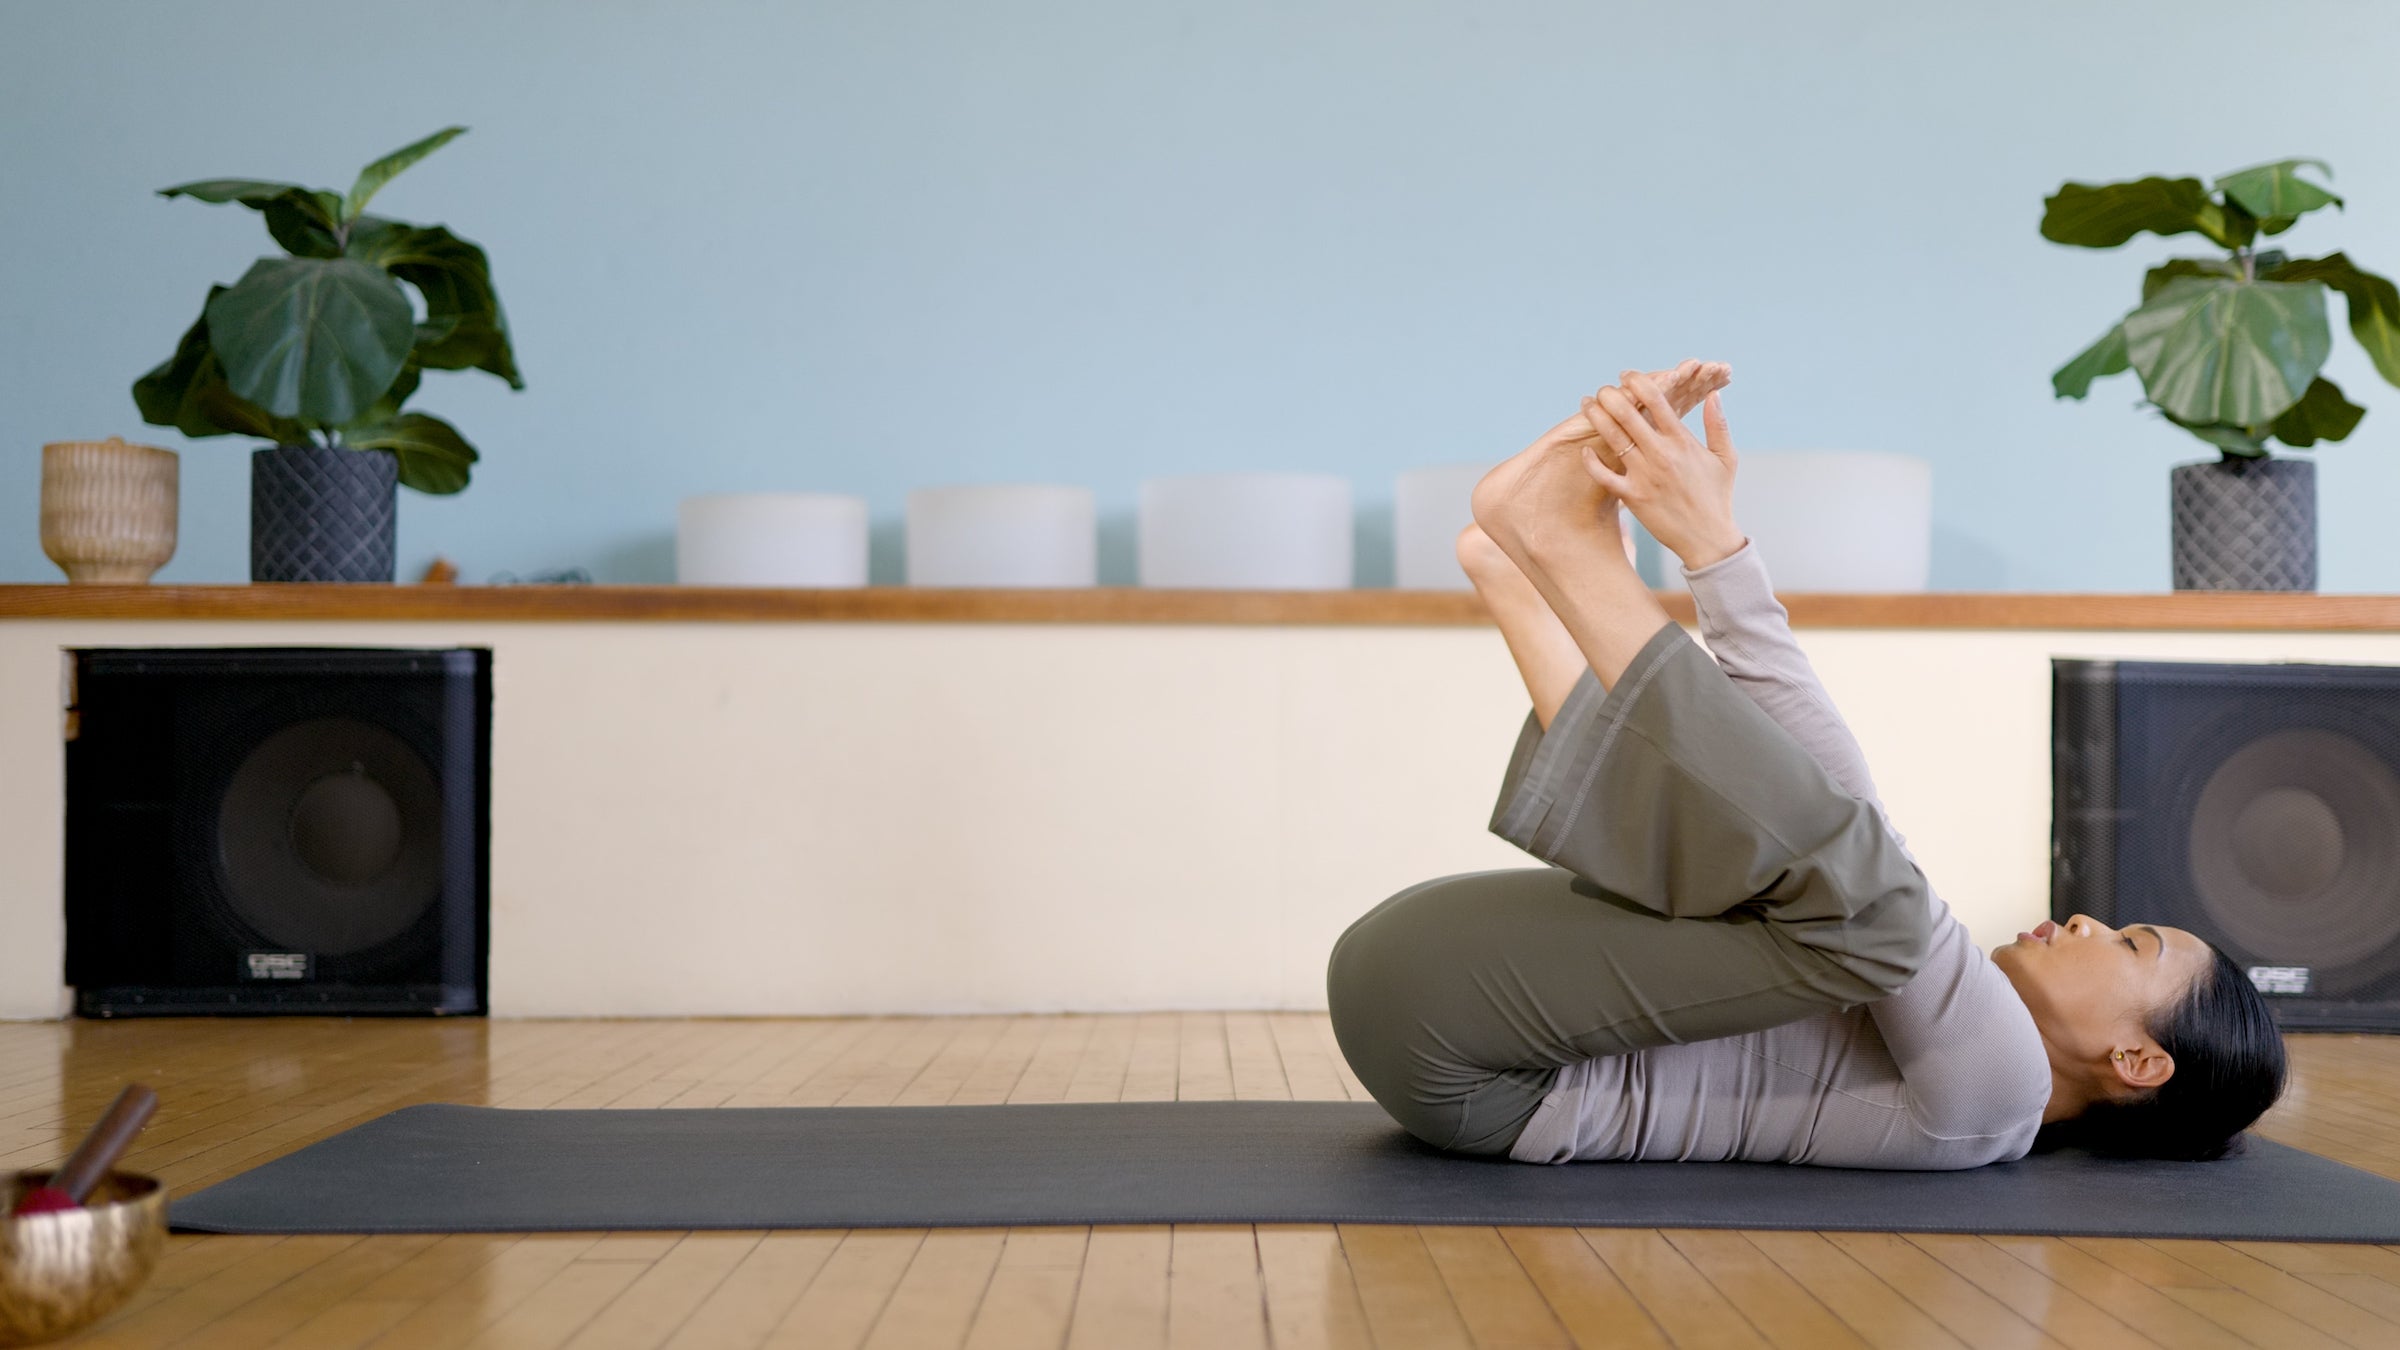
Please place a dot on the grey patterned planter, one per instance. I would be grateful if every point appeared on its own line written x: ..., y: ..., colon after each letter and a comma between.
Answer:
x: 319, y: 514
x: 2245, y: 525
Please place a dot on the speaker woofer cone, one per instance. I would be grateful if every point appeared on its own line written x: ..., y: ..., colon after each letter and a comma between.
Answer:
x: 329, y: 838
x: 2292, y: 848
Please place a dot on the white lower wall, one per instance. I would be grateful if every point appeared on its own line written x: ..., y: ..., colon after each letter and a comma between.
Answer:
x: 762, y: 818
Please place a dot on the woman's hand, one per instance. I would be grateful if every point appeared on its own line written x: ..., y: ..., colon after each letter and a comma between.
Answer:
x: 1684, y: 386
x: 1679, y: 488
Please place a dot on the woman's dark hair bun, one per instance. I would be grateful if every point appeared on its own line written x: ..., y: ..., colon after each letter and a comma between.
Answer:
x: 2229, y: 1068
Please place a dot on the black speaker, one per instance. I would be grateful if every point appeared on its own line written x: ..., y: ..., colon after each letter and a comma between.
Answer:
x: 278, y: 830
x: 2255, y: 805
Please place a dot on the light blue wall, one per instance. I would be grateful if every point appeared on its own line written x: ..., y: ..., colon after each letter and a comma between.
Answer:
x: 878, y: 245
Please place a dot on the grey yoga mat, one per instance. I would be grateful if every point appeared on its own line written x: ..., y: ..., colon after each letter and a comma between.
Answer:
x: 441, y: 1169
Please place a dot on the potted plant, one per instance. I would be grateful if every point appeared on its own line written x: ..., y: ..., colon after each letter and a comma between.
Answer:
x: 316, y: 350
x: 2228, y: 348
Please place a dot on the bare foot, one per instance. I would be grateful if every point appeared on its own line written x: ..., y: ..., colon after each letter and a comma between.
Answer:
x: 1532, y: 496
x: 1544, y: 487
x: 1485, y: 561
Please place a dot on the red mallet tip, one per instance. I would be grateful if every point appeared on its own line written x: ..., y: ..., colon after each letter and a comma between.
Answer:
x: 45, y: 1200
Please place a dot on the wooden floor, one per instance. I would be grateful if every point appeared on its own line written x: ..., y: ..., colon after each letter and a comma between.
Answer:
x: 236, y: 1093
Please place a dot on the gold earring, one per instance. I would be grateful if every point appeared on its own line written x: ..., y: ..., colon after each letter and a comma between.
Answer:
x: 2120, y: 1054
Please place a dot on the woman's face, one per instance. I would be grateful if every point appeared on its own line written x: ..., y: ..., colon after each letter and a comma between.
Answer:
x: 2093, y: 989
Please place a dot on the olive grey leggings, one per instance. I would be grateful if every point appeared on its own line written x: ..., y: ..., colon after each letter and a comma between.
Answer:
x: 1712, y: 879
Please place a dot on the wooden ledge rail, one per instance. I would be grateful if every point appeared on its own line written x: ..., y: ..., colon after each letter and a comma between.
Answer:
x: 2221, y: 611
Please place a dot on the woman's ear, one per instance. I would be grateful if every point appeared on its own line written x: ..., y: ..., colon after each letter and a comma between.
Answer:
x: 2143, y: 1067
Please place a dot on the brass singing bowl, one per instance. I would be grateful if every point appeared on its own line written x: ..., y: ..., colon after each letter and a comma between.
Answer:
x: 62, y: 1271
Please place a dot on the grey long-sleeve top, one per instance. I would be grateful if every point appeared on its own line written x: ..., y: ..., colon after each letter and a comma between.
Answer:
x: 1947, y: 1073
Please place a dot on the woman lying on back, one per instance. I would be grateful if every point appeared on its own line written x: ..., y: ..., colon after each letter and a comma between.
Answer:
x: 1735, y: 956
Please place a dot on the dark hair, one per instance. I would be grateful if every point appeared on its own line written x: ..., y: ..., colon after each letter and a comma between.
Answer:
x: 2229, y: 1068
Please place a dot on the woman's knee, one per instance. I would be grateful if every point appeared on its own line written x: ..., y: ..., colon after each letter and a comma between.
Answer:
x: 1382, y: 944
x: 1361, y: 977
x: 1394, y: 956
x: 1380, y: 987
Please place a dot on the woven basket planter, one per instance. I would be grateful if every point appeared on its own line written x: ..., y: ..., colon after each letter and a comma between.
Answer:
x: 320, y: 514
x: 108, y: 509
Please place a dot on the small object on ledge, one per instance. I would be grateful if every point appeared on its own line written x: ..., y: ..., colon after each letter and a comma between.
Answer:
x: 1266, y: 530
x: 781, y: 539
x: 1002, y: 534
x: 1857, y: 521
x: 108, y: 509
x: 440, y: 572
x: 1430, y: 509
x: 564, y: 576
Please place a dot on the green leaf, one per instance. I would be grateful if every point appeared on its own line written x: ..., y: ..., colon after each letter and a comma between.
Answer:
x: 2276, y: 192
x: 187, y: 391
x: 433, y: 456
x: 2228, y: 224
x: 2374, y: 305
x: 2157, y: 277
x: 256, y: 193
x: 2216, y: 350
x: 2322, y: 414
x: 318, y: 339
x: 465, y: 326
x: 2108, y: 214
x: 2105, y: 357
x: 372, y: 178
x: 387, y: 407
x: 239, y: 415
x: 165, y: 394
x: 298, y: 231
x: 303, y: 220
x: 2231, y: 439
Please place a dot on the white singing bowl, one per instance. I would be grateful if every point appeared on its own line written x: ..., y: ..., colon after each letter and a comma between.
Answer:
x: 1430, y: 506
x: 1246, y: 531
x: 1835, y: 520
x: 805, y: 539
x: 1003, y: 535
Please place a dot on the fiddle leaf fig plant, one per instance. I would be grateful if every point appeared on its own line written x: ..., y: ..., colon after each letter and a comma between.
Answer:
x: 2229, y: 348
x: 323, y: 342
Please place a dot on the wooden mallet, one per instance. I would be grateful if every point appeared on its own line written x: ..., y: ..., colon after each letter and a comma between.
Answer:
x: 93, y: 1157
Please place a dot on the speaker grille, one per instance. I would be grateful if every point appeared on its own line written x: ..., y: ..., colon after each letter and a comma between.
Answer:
x: 279, y: 829
x: 2291, y: 849
x: 2256, y: 805
x: 329, y: 838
